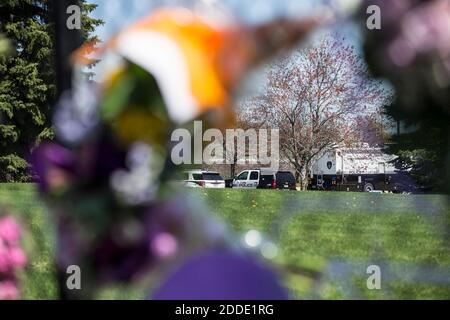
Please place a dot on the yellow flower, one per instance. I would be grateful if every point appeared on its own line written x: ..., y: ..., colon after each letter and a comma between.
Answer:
x: 138, y: 124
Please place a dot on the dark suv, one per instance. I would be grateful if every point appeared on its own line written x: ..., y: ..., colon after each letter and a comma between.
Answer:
x: 285, y: 180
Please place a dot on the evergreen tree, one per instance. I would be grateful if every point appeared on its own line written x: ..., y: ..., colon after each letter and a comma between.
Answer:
x: 422, y: 146
x: 27, y: 79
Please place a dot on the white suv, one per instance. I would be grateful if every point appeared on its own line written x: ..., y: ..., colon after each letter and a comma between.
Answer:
x: 202, y: 179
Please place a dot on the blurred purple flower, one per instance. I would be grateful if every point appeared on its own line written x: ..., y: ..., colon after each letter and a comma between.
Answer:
x: 133, y: 246
x: 52, y: 163
x: 76, y: 116
x: 91, y: 164
x: 412, y: 50
x: 415, y: 28
x: 221, y: 275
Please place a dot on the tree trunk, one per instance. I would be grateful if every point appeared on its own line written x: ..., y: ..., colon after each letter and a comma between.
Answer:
x: 297, y: 176
x: 232, y: 170
x: 303, y: 179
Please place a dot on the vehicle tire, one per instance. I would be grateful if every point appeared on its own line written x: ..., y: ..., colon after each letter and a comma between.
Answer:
x: 368, y: 187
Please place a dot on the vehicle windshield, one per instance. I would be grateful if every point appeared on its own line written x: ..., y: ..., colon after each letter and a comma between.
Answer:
x: 212, y: 176
x: 285, y: 176
x: 243, y: 176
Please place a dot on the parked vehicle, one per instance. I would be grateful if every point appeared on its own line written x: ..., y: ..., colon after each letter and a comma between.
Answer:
x: 351, y: 182
x: 202, y: 179
x: 356, y: 169
x: 264, y: 179
x: 229, y: 183
x: 285, y: 180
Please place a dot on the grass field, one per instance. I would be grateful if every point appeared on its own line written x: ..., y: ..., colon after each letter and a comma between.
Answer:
x: 311, y: 229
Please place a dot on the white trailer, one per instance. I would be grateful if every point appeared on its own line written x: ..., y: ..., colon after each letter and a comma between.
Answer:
x: 359, y: 168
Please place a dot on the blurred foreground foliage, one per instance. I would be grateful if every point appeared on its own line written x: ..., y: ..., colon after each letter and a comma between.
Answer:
x: 415, y: 61
x: 27, y: 79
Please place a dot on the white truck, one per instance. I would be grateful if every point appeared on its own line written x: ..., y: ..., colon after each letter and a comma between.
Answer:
x: 360, y: 168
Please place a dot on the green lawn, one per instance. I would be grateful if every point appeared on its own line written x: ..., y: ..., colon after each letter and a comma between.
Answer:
x: 39, y: 276
x: 314, y: 228
x: 311, y: 229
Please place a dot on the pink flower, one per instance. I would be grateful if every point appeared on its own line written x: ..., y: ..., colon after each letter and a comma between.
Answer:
x: 9, y: 230
x: 4, y: 260
x: 17, y: 257
x: 164, y: 245
x: 9, y: 291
